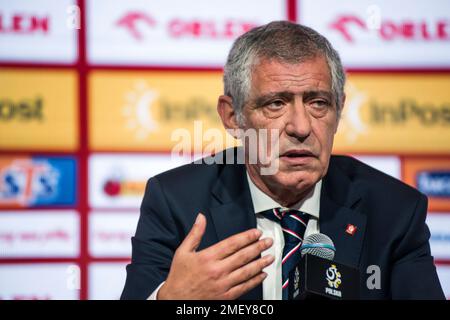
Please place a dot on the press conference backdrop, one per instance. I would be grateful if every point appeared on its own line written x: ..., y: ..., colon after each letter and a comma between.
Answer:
x: 91, y: 92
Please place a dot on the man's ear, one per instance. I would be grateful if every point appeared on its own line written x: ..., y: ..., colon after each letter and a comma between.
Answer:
x: 227, y: 113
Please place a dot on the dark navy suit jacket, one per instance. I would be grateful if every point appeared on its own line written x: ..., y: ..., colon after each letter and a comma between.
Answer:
x: 389, y: 216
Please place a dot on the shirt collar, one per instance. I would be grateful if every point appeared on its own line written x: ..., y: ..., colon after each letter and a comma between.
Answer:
x: 262, y: 202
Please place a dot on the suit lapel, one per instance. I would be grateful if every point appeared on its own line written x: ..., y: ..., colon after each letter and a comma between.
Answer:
x: 232, y: 210
x: 339, y: 205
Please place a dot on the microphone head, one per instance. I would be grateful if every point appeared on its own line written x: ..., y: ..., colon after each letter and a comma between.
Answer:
x: 318, y: 245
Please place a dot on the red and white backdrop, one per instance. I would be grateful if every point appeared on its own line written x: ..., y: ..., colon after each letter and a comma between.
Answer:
x: 92, y: 91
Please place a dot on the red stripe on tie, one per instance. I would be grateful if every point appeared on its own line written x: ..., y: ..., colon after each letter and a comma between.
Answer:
x: 290, y: 253
x: 296, y: 217
x: 285, y: 284
x: 292, y: 233
x: 275, y: 212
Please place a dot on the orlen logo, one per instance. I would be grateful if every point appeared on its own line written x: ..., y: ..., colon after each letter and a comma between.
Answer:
x: 138, y: 23
x: 348, y: 26
x: 132, y: 20
x: 116, y: 187
x: 20, y: 23
x: 434, y: 183
x: 25, y: 180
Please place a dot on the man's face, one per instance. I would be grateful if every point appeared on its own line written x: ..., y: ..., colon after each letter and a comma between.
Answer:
x: 297, y: 100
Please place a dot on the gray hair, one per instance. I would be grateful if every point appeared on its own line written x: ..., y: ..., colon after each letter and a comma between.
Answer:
x: 285, y: 42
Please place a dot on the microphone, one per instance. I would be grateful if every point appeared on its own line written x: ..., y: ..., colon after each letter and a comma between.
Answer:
x: 318, y: 276
x: 319, y: 245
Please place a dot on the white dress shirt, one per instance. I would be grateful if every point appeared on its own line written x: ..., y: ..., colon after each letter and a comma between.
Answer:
x: 270, y: 229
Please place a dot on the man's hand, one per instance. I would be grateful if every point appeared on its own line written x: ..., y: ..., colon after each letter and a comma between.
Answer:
x: 223, y: 271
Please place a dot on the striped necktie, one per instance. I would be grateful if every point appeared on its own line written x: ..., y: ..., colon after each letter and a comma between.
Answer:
x: 293, y: 223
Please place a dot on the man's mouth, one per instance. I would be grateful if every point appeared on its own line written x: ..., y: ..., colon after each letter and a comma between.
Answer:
x: 297, y: 153
x: 297, y: 156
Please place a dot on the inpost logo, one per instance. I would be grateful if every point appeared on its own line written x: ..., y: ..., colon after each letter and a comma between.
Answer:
x: 409, y: 110
x: 145, y: 107
x: 142, y: 110
x: 354, y: 124
x: 140, y: 101
x: 34, y: 105
x: 27, y: 109
x: 385, y: 113
x: 399, y: 113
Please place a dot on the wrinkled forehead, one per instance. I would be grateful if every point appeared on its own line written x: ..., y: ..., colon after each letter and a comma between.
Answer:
x: 271, y: 75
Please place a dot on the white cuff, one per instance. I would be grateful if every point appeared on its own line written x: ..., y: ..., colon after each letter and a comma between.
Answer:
x: 155, y: 293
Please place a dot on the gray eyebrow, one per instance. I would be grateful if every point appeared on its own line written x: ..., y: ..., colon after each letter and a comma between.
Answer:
x: 266, y: 97
x: 288, y: 95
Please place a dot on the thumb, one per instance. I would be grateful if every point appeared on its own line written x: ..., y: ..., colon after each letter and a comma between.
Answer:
x: 192, y: 240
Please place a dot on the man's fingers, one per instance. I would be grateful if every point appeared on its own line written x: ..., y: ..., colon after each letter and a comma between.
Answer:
x: 237, y: 291
x: 234, y: 243
x: 246, y: 255
x: 249, y: 271
x: 192, y: 240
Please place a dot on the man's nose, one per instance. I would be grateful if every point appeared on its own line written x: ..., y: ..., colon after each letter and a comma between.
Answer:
x: 298, y: 123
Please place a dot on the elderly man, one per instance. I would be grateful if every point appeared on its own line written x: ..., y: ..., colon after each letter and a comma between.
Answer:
x: 221, y: 231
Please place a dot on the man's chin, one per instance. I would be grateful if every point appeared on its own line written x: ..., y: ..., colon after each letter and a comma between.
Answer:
x: 299, y: 167
x: 300, y: 181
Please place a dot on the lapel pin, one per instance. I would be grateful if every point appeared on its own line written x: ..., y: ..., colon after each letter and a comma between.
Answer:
x: 351, y: 229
